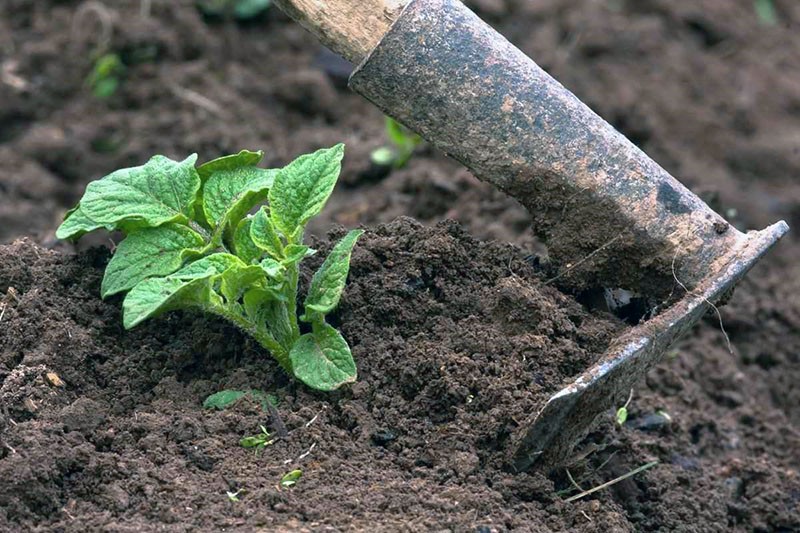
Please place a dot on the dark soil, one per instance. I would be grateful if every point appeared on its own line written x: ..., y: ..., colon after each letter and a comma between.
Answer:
x: 456, y: 342
x: 708, y: 90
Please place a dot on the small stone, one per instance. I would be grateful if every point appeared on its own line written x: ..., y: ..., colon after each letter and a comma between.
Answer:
x: 30, y: 405
x: 54, y: 380
x: 383, y: 437
x: 651, y: 422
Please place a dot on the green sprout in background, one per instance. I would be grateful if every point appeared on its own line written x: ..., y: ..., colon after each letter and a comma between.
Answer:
x: 290, y: 479
x: 258, y: 441
x: 106, y: 76
x: 239, y: 9
x: 192, y: 244
x: 404, y: 142
x: 766, y: 12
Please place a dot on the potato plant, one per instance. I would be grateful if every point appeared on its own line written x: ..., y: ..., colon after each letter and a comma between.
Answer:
x: 191, y: 244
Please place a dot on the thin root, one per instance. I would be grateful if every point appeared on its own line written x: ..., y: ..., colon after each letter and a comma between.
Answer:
x: 612, y: 482
x: 579, y: 263
x: 716, y: 309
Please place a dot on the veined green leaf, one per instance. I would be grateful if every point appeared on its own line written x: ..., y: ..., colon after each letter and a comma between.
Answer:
x: 229, y: 194
x: 265, y: 236
x: 155, y: 296
x: 328, y: 282
x: 322, y: 359
x: 264, y: 306
x: 223, y: 399
x: 302, y: 187
x: 294, y: 253
x: 227, y: 162
x: 208, y: 266
x: 146, y: 253
x: 160, y: 191
x: 243, y: 244
x: 272, y: 268
x: 244, y: 158
x: 237, y: 279
x: 76, y: 223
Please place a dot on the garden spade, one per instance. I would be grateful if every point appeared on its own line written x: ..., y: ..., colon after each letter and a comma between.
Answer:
x: 613, y: 219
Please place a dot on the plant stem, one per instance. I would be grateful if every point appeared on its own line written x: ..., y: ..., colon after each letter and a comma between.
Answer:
x: 199, y: 229
x: 291, y: 303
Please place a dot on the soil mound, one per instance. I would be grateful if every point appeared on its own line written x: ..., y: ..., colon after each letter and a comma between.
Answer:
x: 457, y: 343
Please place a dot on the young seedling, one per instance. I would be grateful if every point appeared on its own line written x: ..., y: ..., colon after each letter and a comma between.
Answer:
x: 622, y: 412
x: 190, y: 244
x: 239, y: 9
x: 766, y: 12
x: 258, y: 441
x: 290, y: 478
x: 226, y: 398
x: 106, y: 75
x: 403, y: 140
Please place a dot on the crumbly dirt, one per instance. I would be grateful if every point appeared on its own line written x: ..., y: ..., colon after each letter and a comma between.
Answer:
x: 456, y: 342
x: 704, y: 87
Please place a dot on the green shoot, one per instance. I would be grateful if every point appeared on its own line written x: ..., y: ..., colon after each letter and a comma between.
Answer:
x: 258, y: 441
x: 106, y: 76
x: 766, y: 12
x: 404, y: 142
x: 290, y: 478
x: 622, y: 412
x: 240, y: 9
x: 226, y: 398
x: 191, y: 244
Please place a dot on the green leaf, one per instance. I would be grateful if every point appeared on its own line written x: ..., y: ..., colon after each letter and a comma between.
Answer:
x: 146, y: 253
x: 294, y: 253
x: 251, y: 442
x: 160, y: 191
x: 290, y: 478
x: 227, y: 162
x: 247, y: 9
x: 237, y: 279
x: 766, y: 12
x: 264, y: 306
x: 243, y: 244
x: 272, y: 268
x: 155, y: 296
x: 223, y: 399
x: 244, y: 158
x: 328, y: 282
x: 229, y: 194
x: 77, y: 223
x: 622, y: 415
x: 265, y: 236
x: 322, y: 359
x: 191, y: 286
x: 210, y: 265
x: 302, y: 187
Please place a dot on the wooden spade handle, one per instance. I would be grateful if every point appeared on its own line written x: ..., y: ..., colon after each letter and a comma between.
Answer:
x: 351, y: 28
